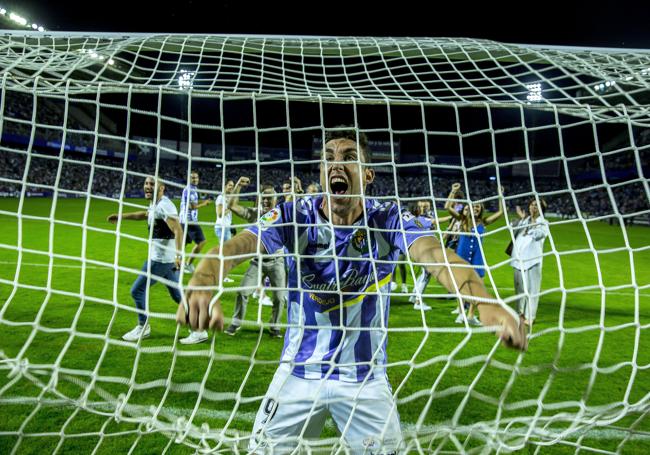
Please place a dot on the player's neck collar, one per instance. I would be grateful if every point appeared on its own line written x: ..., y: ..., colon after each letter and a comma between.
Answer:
x: 320, y: 202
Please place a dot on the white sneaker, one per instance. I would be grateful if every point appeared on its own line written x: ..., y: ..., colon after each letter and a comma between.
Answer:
x: 412, y: 299
x: 393, y: 286
x: 195, y: 337
x: 228, y: 280
x: 454, y: 311
x: 189, y: 269
x: 474, y: 321
x: 460, y: 319
x: 256, y: 294
x: 421, y: 306
x: 405, y: 289
x: 266, y: 301
x: 139, y: 332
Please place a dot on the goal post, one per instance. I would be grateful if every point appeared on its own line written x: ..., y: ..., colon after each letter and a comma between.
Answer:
x: 85, y: 118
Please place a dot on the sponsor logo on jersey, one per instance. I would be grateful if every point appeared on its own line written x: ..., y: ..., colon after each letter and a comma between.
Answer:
x: 270, y: 217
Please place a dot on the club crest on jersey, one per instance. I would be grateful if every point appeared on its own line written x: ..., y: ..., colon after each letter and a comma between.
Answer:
x: 270, y: 217
x: 407, y: 216
x: 418, y: 223
x: 359, y: 240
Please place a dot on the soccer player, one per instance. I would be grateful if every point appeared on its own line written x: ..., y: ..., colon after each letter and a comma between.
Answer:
x: 527, y: 253
x: 272, y: 266
x: 224, y: 217
x: 190, y: 206
x: 334, y: 356
x: 164, y: 256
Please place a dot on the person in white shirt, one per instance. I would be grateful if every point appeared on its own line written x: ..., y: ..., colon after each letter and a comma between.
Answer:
x: 527, y: 254
x: 224, y: 215
x: 164, y: 259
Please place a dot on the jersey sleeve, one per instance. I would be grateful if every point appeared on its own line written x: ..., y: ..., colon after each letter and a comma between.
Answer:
x: 275, y: 228
x: 167, y: 209
x: 405, y: 228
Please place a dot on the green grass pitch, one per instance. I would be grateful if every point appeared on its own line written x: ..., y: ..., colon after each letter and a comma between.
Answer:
x: 589, y: 350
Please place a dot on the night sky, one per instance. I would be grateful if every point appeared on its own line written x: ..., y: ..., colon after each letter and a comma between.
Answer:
x: 579, y: 23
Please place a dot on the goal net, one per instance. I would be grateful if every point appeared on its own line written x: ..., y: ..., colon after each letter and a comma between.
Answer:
x: 84, y: 119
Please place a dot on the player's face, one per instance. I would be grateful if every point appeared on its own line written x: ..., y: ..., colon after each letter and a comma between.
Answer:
x: 311, y: 189
x: 423, y: 207
x: 194, y: 178
x: 342, y: 174
x: 149, y: 187
x: 229, y: 186
x: 286, y: 188
x: 533, y: 209
x: 268, y: 200
x: 478, y: 209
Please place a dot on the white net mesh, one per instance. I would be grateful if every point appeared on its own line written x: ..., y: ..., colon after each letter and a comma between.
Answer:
x: 86, y: 119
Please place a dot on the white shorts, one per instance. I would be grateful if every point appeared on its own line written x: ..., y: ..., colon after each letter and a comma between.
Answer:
x: 295, y: 409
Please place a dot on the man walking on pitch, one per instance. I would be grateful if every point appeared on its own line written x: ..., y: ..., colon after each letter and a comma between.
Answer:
x: 345, y: 247
x: 164, y: 258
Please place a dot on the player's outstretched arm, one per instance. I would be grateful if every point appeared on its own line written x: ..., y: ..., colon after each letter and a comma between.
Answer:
x: 197, y: 310
x: 112, y: 218
x: 429, y: 251
x: 449, y: 205
x: 499, y: 213
x: 233, y: 203
x: 201, y: 204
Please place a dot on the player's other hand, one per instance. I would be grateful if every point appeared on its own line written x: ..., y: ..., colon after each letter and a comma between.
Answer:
x: 243, y: 182
x: 512, y: 331
x: 297, y: 185
x: 195, y: 309
x: 112, y: 218
x: 520, y: 212
x: 455, y: 187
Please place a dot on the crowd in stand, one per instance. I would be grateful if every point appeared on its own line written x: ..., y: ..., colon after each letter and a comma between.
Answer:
x: 587, y: 196
x: 592, y: 199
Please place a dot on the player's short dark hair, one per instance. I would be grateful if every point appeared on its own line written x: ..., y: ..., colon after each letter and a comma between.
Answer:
x: 350, y: 132
x: 267, y: 186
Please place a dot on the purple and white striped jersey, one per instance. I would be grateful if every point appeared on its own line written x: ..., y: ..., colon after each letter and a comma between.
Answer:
x: 339, y: 280
x: 190, y: 197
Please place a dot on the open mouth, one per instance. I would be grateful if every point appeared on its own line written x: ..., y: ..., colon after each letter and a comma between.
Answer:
x: 338, y: 185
